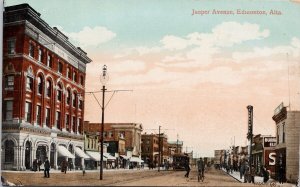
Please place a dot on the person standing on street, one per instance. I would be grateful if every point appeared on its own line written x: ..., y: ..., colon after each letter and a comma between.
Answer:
x: 47, y: 168
x: 252, y: 173
x: 242, y: 168
x: 187, y: 169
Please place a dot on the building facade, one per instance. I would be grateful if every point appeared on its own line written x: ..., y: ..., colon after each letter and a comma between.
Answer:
x: 123, y: 141
x: 151, y: 145
x: 43, y: 92
x: 287, y: 145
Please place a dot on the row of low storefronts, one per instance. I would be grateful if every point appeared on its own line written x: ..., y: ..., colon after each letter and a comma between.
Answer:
x: 279, y: 154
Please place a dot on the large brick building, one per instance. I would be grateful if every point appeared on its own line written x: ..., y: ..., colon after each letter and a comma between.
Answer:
x: 43, y: 92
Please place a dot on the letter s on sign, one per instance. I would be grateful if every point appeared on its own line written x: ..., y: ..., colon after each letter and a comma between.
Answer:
x: 272, y: 159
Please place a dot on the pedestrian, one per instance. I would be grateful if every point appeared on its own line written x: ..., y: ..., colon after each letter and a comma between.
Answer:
x: 47, y: 168
x: 64, y: 165
x: 252, y: 173
x: 34, y: 165
x: 39, y: 163
x: 281, y: 174
x: 265, y: 174
x: 187, y: 169
x: 242, y: 169
x: 247, y: 172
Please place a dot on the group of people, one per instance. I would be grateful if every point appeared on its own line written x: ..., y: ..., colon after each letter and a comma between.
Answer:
x: 200, y: 167
x: 249, y: 172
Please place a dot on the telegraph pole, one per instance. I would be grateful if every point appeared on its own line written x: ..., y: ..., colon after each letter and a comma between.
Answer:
x: 250, y: 133
x: 159, y: 145
x: 159, y: 149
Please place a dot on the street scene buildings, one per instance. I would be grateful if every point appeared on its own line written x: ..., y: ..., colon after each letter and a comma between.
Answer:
x: 47, y: 113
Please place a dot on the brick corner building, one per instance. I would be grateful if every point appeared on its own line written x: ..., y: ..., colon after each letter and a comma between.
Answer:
x: 43, y: 92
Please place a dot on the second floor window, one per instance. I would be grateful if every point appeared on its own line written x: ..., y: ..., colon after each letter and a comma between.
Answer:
x: 49, y: 61
x: 8, y: 110
x: 59, y: 93
x: 74, y: 99
x: 75, y: 76
x: 80, y: 104
x: 38, y: 114
x: 11, y: 44
x: 58, y: 119
x: 28, y: 112
x: 68, y: 97
x: 60, y: 67
x: 48, y: 117
x: 40, y: 85
x: 29, y: 83
x: 283, y: 133
x: 67, y: 122
x: 68, y: 73
x: 31, y: 50
x: 48, y: 89
x: 9, y: 81
x: 40, y: 59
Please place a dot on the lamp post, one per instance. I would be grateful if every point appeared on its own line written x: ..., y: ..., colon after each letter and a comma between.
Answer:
x: 103, y: 79
x: 250, y: 133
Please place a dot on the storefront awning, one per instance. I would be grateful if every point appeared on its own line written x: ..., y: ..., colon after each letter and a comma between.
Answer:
x: 109, y: 157
x: 80, y: 153
x: 62, y: 151
x: 136, y: 159
x: 125, y: 157
x: 95, y: 155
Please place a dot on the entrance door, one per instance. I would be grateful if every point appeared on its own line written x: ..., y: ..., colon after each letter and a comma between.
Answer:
x: 41, y: 153
x: 27, y: 155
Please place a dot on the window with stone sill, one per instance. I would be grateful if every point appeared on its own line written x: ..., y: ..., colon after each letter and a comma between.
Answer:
x: 8, y: 110
x: 9, y: 82
x: 38, y: 114
x: 11, y: 45
x: 40, y: 58
x: 28, y: 112
x: 29, y: 83
x: 40, y: 85
x: 31, y: 50
x: 48, y: 117
x: 49, y: 61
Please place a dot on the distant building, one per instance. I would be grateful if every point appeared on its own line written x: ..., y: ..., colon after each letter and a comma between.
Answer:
x: 150, y: 148
x: 287, y: 145
x: 123, y: 141
x: 43, y: 92
x: 175, y: 147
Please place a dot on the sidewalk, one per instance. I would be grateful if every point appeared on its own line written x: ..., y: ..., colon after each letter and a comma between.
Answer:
x: 257, y: 179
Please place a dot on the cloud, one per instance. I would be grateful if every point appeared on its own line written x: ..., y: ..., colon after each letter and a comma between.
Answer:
x: 92, y: 36
x: 263, y: 52
x: 127, y: 66
x: 223, y: 35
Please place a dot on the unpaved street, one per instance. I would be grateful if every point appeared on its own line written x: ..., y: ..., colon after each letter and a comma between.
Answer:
x: 121, y: 177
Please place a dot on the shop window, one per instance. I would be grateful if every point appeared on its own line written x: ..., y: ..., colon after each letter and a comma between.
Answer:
x: 9, y: 151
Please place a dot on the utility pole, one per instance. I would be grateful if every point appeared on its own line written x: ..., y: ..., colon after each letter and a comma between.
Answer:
x: 104, y: 79
x: 250, y: 133
x: 159, y: 145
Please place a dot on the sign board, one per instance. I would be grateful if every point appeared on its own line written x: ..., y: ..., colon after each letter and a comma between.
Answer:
x: 278, y: 109
x: 270, y: 160
x: 270, y: 141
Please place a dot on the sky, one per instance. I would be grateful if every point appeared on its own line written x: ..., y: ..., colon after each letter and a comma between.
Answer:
x: 192, y: 74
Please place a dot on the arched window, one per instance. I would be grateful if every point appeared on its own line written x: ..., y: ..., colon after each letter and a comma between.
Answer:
x: 40, y: 85
x: 59, y: 92
x: 9, y: 151
x: 68, y: 97
x: 74, y: 97
x: 48, y: 88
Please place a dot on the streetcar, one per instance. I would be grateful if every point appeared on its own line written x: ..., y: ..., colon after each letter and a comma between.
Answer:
x: 179, y: 161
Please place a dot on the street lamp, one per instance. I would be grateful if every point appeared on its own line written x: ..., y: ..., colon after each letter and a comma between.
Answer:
x: 103, y: 78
